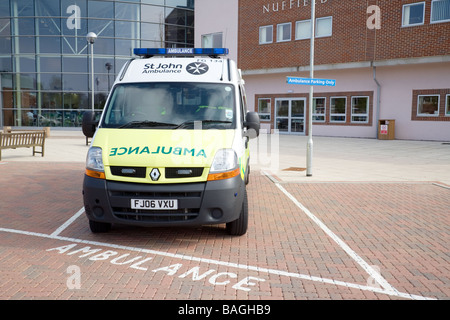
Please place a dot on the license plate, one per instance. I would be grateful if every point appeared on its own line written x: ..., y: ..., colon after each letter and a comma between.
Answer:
x: 147, y: 204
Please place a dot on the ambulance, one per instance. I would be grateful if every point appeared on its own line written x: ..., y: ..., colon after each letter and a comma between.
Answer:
x: 171, y: 147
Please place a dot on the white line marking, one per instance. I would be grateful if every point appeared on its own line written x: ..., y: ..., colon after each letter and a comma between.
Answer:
x: 440, y: 185
x: 222, y: 263
x: 67, y: 223
x: 369, y: 269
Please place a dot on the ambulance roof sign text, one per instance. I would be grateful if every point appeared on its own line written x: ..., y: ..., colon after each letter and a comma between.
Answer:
x: 180, y: 51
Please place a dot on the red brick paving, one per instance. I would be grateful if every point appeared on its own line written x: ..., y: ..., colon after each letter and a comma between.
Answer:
x: 403, y: 228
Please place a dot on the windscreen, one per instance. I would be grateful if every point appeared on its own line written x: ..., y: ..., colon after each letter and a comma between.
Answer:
x: 171, y: 105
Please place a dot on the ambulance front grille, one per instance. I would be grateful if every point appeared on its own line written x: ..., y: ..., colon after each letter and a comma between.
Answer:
x: 133, y: 172
x: 172, y: 173
x: 156, y: 215
x: 189, y: 197
x: 156, y: 195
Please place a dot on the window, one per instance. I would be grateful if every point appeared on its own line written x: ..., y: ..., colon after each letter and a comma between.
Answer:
x: 284, y: 32
x: 303, y: 30
x: 360, y: 109
x: 428, y: 105
x: 265, y: 34
x: 213, y: 40
x: 264, y: 108
x: 338, y: 108
x: 175, y: 104
x: 324, y: 27
x: 318, y: 113
x: 431, y: 105
x: 440, y: 11
x: 447, y: 105
x: 413, y: 14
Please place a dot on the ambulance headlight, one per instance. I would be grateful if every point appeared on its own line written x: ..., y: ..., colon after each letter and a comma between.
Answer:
x: 224, y: 160
x: 94, y: 163
x: 224, y: 165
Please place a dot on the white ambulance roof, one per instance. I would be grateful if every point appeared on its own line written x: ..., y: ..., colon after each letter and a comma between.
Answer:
x: 179, y: 69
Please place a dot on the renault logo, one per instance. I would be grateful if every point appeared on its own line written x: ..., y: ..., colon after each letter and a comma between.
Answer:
x: 154, y: 174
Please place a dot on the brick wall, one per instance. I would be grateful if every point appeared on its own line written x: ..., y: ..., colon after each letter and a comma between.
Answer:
x: 351, y: 40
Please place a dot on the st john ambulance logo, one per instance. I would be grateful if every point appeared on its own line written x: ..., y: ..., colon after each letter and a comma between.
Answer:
x: 197, y: 68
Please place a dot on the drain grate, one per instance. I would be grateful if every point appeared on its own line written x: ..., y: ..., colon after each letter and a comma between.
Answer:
x: 294, y: 169
x: 446, y: 143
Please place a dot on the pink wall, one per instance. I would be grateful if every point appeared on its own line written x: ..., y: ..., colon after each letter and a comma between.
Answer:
x: 397, y: 84
x: 218, y: 16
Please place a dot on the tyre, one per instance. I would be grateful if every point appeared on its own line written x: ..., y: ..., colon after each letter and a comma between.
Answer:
x: 239, y: 227
x: 99, y: 227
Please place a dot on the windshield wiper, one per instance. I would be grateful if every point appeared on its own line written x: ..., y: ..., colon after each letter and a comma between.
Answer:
x: 186, y: 123
x: 148, y: 124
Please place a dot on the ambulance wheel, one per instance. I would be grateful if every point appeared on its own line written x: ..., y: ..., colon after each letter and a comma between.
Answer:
x: 99, y: 227
x: 239, y: 227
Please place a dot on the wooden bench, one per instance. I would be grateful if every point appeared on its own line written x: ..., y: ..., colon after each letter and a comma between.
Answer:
x: 23, y: 139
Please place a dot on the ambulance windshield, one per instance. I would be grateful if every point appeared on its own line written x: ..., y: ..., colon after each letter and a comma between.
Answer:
x: 171, y: 105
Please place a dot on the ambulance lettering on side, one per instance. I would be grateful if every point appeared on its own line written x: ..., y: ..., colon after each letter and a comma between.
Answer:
x: 171, y: 147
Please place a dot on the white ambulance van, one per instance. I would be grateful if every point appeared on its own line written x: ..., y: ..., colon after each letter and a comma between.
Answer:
x: 171, y: 147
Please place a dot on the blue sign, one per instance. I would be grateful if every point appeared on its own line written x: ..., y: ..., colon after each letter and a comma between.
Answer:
x: 311, y: 82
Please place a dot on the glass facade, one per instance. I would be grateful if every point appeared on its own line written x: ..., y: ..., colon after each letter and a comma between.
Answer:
x: 45, y: 59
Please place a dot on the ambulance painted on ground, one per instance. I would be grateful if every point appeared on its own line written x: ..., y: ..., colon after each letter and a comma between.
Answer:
x: 171, y: 147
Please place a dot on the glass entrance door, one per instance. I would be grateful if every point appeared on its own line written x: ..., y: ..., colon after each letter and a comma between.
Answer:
x: 290, y: 115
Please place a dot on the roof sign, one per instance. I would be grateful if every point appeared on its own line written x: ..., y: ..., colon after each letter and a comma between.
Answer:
x: 180, y: 51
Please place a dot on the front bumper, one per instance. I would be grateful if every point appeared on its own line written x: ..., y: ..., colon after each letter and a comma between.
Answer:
x: 212, y: 202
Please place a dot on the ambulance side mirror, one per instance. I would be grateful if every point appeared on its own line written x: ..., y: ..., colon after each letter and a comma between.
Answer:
x: 252, y: 124
x: 89, y: 124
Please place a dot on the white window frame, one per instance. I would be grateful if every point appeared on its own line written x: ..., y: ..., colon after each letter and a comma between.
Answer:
x: 324, y: 114
x: 265, y: 113
x: 436, y: 114
x: 278, y: 31
x: 317, y: 27
x: 447, y: 105
x: 431, y: 16
x: 266, y: 32
x: 338, y: 114
x: 366, y: 114
x: 212, y: 37
x: 403, y: 14
x: 309, y: 29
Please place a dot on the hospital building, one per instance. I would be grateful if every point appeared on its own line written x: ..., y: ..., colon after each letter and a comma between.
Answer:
x: 389, y: 62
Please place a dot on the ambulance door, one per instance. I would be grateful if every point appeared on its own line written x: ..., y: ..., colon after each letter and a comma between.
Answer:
x: 245, y: 165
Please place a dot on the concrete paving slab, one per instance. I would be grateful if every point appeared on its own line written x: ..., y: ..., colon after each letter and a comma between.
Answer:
x: 351, y: 159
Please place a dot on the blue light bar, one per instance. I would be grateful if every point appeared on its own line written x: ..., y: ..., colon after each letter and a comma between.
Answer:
x: 181, y: 51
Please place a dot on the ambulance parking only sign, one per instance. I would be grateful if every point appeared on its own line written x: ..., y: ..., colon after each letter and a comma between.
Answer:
x: 311, y: 81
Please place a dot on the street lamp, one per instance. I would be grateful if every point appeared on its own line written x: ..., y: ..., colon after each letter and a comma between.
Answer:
x: 91, y: 37
x: 108, y: 67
